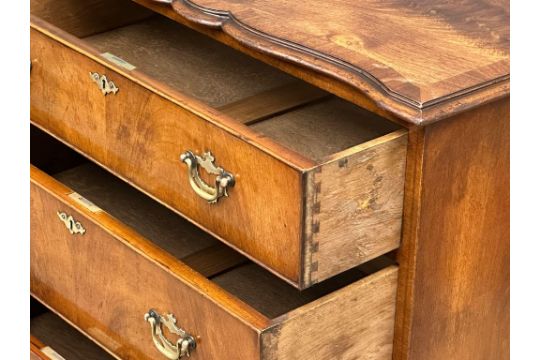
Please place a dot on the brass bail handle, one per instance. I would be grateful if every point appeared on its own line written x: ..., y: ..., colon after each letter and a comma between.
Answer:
x: 223, y: 181
x: 182, y: 347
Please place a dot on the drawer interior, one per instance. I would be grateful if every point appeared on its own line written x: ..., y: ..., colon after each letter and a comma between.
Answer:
x: 305, y: 119
x: 52, y: 336
x: 227, y: 268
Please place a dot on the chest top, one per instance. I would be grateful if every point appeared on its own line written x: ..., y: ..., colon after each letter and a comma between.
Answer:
x: 421, y: 60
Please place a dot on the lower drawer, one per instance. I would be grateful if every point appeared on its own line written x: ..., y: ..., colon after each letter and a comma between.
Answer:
x: 51, y: 338
x: 122, y: 268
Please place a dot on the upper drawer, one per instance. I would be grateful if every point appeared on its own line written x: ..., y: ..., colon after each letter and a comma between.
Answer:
x: 103, y: 255
x: 314, y: 184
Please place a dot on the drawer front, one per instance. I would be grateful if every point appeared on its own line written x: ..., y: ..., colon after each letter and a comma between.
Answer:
x: 140, y: 136
x: 104, y: 284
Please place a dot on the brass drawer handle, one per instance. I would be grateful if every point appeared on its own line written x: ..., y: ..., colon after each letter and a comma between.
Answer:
x: 72, y: 225
x: 223, y: 181
x: 174, y: 351
x: 103, y: 83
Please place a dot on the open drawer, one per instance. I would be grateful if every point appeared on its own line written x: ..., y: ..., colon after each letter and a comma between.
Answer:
x: 115, y: 263
x: 301, y: 182
x: 51, y: 338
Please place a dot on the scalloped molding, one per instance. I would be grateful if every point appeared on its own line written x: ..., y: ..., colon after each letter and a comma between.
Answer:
x: 415, y: 112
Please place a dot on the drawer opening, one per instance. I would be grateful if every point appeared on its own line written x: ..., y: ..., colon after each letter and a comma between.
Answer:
x: 304, y: 119
x: 227, y: 268
x: 51, y: 336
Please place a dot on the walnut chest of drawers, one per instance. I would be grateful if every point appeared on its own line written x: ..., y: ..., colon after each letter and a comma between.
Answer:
x: 270, y: 180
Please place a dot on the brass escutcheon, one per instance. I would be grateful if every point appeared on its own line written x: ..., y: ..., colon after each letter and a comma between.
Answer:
x: 106, y: 86
x: 72, y: 225
x: 173, y: 351
x: 223, y: 181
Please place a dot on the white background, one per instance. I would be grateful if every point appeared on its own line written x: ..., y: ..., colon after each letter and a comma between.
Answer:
x: 525, y: 180
x: 14, y: 175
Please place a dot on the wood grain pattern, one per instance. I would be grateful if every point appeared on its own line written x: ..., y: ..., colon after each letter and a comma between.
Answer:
x: 436, y: 58
x: 351, y: 324
x: 454, y: 284
x: 103, y: 281
x: 64, y: 340
x: 357, y: 206
x: 263, y: 216
x: 88, y: 17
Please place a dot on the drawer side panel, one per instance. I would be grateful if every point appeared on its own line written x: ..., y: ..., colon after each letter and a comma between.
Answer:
x: 353, y: 323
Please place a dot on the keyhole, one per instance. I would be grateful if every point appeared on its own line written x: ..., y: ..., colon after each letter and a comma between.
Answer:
x: 71, y: 224
x: 103, y: 84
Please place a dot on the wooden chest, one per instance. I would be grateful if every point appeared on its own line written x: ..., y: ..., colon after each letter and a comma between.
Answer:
x: 208, y: 182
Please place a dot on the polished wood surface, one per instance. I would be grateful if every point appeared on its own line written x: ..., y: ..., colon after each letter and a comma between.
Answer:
x: 103, y: 281
x: 453, y: 300
x: 266, y: 216
x: 421, y: 60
